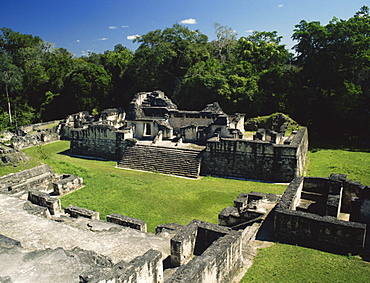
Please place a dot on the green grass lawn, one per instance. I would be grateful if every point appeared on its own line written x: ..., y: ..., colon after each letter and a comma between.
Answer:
x: 285, y: 263
x: 154, y: 198
x: 159, y: 199
x: 355, y: 164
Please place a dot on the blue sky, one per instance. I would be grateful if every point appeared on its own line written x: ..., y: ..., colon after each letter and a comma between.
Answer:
x: 98, y: 25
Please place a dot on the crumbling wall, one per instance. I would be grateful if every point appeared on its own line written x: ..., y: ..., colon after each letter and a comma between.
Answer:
x: 256, y: 159
x: 126, y: 221
x: 308, y: 229
x: 12, y: 157
x: 40, y: 176
x: 45, y: 200
x: 99, y: 141
x: 193, y: 239
x: 218, y: 263
x: 39, y: 138
x: 147, y: 268
x: 35, y: 134
x: 66, y: 184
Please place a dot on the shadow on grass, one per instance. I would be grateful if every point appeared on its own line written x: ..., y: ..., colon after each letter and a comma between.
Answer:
x: 68, y: 153
x: 317, y: 142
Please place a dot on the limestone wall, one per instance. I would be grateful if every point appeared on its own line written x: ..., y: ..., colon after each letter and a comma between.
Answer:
x: 218, y: 263
x: 256, y: 159
x: 323, y: 232
x: 180, y: 121
x: 98, y: 141
x: 308, y: 229
x: 41, y: 176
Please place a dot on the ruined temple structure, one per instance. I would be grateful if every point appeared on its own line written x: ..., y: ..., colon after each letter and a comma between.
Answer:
x: 332, y: 214
x: 153, y: 135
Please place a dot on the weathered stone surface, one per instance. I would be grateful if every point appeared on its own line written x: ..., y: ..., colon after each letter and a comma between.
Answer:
x: 218, y: 263
x: 66, y: 184
x: 126, y: 221
x: 40, y: 176
x: 319, y: 229
x: 75, y: 211
x: 35, y: 233
x: 44, y: 199
x: 50, y: 265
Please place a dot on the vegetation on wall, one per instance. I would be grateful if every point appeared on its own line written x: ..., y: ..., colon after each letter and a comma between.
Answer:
x: 324, y: 84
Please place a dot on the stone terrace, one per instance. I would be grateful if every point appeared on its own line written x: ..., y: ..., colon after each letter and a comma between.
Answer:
x: 36, y: 233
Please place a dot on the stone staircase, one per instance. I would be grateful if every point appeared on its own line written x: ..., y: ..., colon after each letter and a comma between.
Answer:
x: 312, y: 201
x: 166, y: 160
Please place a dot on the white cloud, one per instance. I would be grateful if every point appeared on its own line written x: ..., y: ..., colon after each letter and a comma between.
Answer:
x: 124, y: 26
x: 190, y: 21
x: 281, y: 5
x: 112, y: 27
x: 78, y: 40
x: 103, y: 38
x: 250, y: 30
x: 132, y: 37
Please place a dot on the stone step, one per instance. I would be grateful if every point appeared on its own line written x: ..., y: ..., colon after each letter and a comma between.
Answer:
x: 182, y: 162
x: 311, y: 196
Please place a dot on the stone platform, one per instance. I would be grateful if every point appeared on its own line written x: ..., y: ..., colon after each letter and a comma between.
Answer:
x: 42, y: 236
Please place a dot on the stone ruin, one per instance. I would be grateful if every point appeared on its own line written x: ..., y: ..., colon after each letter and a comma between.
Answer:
x: 36, y: 134
x: 40, y: 178
x: 332, y: 214
x: 197, y: 252
x: 326, y: 213
x: 156, y: 136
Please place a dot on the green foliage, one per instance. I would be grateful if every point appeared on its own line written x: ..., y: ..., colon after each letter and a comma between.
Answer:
x: 286, y: 263
x: 325, y: 85
x: 337, y: 91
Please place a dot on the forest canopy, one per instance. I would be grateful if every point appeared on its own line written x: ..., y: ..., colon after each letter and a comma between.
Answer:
x: 323, y: 83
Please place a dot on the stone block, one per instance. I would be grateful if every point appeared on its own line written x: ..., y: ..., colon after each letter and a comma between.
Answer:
x: 126, y: 221
x: 44, y: 199
x: 66, y: 184
x: 75, y: 211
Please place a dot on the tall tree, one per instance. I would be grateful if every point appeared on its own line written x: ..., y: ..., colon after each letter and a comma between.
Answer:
x: 335, y: 72
x: 226, y: 39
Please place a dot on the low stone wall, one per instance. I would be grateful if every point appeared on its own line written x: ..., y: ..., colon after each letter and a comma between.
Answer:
x: 218, y: 263
x: 126, y: 221
x: 66, y: 184
x: 39, y: 138
x: 40, y: 176
x: 102, y: 141
x: 44, y: 199
x: 322, y: 232
x: 256, y: 159
x: 147, y: 268
x: 194, y: 239
x: 75, y: 211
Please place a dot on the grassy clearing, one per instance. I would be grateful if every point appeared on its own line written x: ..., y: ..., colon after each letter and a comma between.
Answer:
x: 286, y: 263
x: 5, y: 170
x: 160, y: 199
x: 355, y: 164
x: 154, y: 198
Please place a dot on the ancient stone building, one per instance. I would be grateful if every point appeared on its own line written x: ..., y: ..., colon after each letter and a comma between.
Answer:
x: 156, y: 136
x: 332, y: 214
